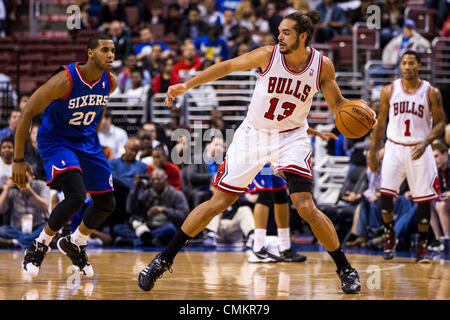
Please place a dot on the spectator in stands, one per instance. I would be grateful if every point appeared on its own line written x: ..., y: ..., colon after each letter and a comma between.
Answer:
x: 144, y: 48
x: 243, y: 48
x: 166, y: 78
x: 110, y: 135
x: 359, y: 14
x: 112, y: 10
x: 138, y: 92
x: 410, y: 39
x: 233, y: 226
x: 156, y: 15
x: 34, y: 200
x: 333, y: 21
x: 273, y: 17
x: 205, y: 95
x: 6, y: 155
x: 157, y: 210
x: 32, y: 155
x: 244, y: 36
x: 230, y: 27
x: 440, y: 210
x: 160, y: 160
x: 193, y: 26
x: 217, y: 122
x: 190, y: 62
x: 268, y: 40
x: 124, y: 77
x: 126, y: 167
x: 212, y: 16
x: 23, y: 101
x: 211, y: 46
x: 174, y: 19
x: 392, y: 19
x: 157, y: 139
x: 146, y: 146
x: 122, y: 42
x: 246, y: 17
x: 196, y: 181
x: 155, y: 63
x: 9, y: 131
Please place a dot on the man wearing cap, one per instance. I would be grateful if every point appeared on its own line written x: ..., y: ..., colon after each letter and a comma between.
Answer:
x: 410, y: 39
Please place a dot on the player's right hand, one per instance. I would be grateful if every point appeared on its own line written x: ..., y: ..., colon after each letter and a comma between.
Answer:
x: 173, y: 92
x: 19, y: 174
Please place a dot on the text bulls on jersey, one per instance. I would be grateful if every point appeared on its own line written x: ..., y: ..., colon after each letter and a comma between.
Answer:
x: 407, y: 107
x: 286, y: 86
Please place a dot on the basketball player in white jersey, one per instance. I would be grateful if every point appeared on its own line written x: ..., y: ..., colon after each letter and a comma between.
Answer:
x: 416, y: 118
x: 291, y: 73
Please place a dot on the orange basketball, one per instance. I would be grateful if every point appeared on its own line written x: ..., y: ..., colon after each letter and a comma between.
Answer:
x: 354, y: 120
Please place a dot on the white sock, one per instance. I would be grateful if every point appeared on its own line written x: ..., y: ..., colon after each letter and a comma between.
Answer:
x: 78, y: 238
x: 260, y: 239
x: 284, y: 237
x: 44, y: 238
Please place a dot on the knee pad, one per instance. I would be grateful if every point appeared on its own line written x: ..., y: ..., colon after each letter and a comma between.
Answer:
x: 265, y: 198
x: 298, y: 183
x: 103, y: 205
x: 280, y: 196
x: 386, y: 203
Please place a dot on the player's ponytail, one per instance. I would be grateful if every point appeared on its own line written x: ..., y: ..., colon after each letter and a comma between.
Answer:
x: 314, y: 16
x: 305, y: 22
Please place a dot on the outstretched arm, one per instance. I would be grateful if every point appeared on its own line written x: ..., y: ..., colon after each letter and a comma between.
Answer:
x: 56, y: 87
x: 438, y: 113
x: 258, y: 58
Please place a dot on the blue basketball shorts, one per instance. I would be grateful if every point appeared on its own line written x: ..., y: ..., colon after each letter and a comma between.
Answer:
x: 266, y: 180
x: 94, y: 167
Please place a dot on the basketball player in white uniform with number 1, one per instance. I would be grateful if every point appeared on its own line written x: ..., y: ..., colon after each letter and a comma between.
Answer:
x: 416, y: 118
x: 274, y: 130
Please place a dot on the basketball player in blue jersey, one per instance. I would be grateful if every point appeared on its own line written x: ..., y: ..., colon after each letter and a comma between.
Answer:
x: 73, y: 103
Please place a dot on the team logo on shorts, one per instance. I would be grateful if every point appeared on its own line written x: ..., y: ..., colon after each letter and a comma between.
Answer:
x: 110, y: 181
x: 63, y: 162
x: 103, y: 84
x: 311, y: 72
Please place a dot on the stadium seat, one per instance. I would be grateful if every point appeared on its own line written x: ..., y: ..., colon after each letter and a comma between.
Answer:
x: 57, y: 41
x: 424, y: 19
x: 44, y: 49
x: 366, y: 43
x: 132, y: 13
x: 157, y: 30
x: 326, y: 49
x: 344, y: 50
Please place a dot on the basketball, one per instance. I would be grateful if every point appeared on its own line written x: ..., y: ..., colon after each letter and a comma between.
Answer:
x: 354, y: 120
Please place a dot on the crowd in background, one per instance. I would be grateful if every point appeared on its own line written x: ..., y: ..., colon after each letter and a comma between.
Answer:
x: 153, y: 194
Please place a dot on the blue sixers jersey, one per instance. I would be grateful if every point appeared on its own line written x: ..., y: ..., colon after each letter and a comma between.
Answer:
x: 72, y: 120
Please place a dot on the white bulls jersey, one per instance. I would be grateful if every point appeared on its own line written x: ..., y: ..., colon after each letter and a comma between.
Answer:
x: 282, y: 97
x: 410, y: 119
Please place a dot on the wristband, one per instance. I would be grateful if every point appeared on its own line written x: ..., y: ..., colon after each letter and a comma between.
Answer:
x: 19, y: 160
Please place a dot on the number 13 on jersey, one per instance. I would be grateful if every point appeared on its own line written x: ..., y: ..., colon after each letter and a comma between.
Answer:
x: 287, y: 106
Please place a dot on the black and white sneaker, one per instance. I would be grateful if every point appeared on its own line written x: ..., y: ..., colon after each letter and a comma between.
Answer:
x: 154, y: 271
x: 34, y: 256
x: 290, y: 255
x: 350, y: 280
x: 77, y: 254
x: 263, y: 256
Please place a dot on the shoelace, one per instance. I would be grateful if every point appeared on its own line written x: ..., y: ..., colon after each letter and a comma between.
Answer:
x: 163, y: 266
x: 38, y: 255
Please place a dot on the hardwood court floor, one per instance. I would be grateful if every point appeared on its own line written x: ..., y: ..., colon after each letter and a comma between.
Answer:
x: 222, y: 276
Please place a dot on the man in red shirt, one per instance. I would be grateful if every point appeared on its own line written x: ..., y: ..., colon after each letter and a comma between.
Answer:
x: 190, y: 62
x: 171, y: 169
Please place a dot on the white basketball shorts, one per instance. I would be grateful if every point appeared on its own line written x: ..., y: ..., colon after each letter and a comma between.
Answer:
x: 421, y: 173
x: 252, y: 148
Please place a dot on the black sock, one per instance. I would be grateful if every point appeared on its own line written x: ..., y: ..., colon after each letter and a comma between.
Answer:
x: 340, y: 260
x: 178, y: 242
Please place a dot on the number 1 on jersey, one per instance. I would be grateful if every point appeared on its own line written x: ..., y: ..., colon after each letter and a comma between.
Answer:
x: 407, y: 132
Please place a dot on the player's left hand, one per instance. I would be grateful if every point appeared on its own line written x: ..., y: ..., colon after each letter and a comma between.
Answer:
x: 326, y: 135
x: 19, y: 174
x: 419, y: 149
